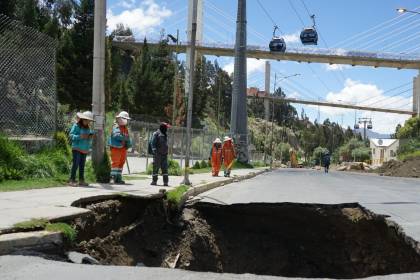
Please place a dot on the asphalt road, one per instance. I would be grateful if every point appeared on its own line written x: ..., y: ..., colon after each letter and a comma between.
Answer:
x: 396, y: 197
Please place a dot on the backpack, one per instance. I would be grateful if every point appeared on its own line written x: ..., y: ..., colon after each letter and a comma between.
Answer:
x: 149, y: 146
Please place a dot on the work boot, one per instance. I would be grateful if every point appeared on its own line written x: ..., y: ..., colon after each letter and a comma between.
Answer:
x: 119, y: 180
x: 153, y: 183
x: 71, y: 183
x: 82, y: 183
x: 165, y: 180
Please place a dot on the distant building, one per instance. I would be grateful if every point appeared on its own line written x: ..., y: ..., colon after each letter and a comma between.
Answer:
x: 383, y: 150
x: 254, y: 92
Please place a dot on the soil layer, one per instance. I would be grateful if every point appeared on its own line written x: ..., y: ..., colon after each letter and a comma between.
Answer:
x: 295, y: 240
x: 407, y: 168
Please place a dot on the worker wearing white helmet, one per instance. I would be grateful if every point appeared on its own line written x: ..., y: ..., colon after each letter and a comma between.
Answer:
x: 119, y: 142
x: 216, y: 157
x: 81, y: 142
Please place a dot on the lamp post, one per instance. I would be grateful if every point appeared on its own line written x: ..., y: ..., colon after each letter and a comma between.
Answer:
x: 272, y: 113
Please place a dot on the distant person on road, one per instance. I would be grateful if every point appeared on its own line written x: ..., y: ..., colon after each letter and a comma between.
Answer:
x: 81, y: 142
x: 326, y: 160
x: 159, y: 148
x: 119, y: 143
x: 228, y: 154
x: 216, y: 157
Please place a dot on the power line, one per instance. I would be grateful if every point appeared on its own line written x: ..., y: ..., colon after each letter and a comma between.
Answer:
x: 266, y: 13
x: 387, y: 91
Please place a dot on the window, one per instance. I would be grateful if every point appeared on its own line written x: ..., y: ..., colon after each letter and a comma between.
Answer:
x: 392, y: 153
x: 373, y: 151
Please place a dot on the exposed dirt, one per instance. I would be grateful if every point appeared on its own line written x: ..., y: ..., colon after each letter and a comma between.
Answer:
x: 406, y: 168
x: 295, y: 240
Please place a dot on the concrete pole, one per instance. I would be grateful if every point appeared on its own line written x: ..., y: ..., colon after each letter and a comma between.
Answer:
x: 98, y: 84
x: 266, y: 103
x: 174, y: 96
x: 416, y: 95
x: 239, y: 116
x: 190, y: 70
x: 267, y: 90
x: 198, y: 18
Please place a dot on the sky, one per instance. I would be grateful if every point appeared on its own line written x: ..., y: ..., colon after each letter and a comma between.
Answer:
x: 360, y: 25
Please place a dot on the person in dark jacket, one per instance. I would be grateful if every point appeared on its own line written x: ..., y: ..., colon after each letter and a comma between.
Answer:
x: 326, y: 160
x: 160, y: 154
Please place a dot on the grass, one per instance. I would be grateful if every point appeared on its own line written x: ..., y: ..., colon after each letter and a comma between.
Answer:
x: 175, y: 195
x: 68, y: 231
x: 36, y: 183
x: 32, y: 224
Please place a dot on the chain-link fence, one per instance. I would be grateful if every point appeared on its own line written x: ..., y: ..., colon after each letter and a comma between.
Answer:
x: 27, y: 81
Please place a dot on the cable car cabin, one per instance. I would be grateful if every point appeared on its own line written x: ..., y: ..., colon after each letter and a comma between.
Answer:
x: 277, y: 44
x: 369, y: 126
x: 356, y: 126
x: 309, y: 36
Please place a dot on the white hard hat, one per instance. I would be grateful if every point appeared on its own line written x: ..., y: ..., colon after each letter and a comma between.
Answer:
x: 227, y: 138
x: 124, y: 115
x: 217, y: 140
x: 85, y: 116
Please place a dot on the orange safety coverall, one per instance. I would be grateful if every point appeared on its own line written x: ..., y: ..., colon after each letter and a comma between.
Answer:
x: 119, y: 155
x: 216, y: 159
x: 229, y: 155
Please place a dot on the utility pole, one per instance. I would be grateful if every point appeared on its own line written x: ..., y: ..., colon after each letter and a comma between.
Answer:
x: 266, y: 104
x: 218, y: 102
x: 98, y: 83
x: 174, y: 94
x: 190, y: 70
x: 239, y: 115
x: 367, y: 124
x: 272, y: 124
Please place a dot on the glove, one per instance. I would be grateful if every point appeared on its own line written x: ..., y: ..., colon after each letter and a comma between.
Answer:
x: 209, y: 159
x: 154, y: 152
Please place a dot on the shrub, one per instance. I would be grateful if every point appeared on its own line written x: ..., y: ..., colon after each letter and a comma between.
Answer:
x: 196, y: 165
x: 62, y: 143
x: 174, y: 196
x: 10, y: 153
x: 361, y: 154
x: 204, y: 164
x: 103, y: 170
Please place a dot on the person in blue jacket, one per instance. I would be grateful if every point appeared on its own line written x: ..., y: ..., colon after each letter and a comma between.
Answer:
x: 81, y: 142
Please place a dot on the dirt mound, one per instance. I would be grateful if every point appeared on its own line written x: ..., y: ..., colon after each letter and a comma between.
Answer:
x: 407, y: 168
x: 295, y: 240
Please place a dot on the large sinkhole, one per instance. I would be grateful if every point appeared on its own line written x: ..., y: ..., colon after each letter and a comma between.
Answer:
x: 283, y: 239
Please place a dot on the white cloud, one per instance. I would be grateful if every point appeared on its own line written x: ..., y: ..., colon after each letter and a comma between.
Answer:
x: 292, y: 38
x: 127, y: 3
x: 294, y: 94
x: 336, y: 67
x: 355, y: 92
x: 253, y: 65
x: 141, y: 20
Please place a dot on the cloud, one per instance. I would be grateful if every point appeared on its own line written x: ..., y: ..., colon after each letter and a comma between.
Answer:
x: 294, y: 94
x: 355, y: 92
x: 141, y: 20
x: 253, y: 65
x: 127, y: 4
x: 336, y: 67
x: 292, y: 38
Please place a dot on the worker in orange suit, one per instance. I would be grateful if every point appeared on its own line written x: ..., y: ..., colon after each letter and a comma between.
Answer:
x: 229, y: 155
x: 216, y: 157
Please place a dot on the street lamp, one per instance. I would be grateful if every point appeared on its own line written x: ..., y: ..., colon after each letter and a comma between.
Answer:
x: 404, y: 10
x: 174, y: 40
x: 272, y: 113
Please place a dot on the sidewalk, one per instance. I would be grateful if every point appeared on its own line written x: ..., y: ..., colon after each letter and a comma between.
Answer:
x: 55, y: 203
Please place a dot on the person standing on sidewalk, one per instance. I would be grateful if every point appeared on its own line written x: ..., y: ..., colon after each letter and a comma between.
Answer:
x: 216, y: 157
x: 229, y: 155
x: 119, y: 143
x: 81, y: 142
x: 159, y: 147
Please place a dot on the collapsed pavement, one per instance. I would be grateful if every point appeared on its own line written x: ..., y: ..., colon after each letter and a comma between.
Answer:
x: 282, y: 239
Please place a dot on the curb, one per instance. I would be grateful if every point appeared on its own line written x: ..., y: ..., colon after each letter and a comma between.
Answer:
x: 13, y: 242
x: 201, y: 188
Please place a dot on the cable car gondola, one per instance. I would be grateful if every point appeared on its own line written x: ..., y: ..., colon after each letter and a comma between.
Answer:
x: 369, y: 126
x: 277, y: 44
x: 309, y: 36
x: 356, y: 126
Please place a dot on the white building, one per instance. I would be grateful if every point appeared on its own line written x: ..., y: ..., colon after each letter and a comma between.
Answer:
x: 383, y: 150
